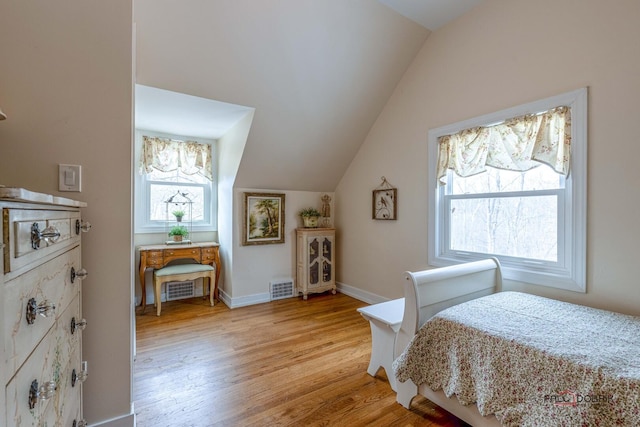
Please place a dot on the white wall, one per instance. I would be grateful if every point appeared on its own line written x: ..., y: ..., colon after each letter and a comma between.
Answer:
x: 66, y: 86
x: 500, y: 55
x: 230, y: 149
x: 255, y: 265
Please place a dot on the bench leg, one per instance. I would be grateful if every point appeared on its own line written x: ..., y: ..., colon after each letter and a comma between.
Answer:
x: 157, y: 287
x: 383, y: 340
x: 406, y: 392
x: 212, y: 286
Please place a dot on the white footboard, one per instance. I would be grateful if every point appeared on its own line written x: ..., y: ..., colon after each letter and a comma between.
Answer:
x: 430, y: 291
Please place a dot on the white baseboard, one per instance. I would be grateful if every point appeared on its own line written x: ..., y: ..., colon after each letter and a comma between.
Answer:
x: 351, y: 291
x: 243, y: 301
x: 128, y: 420
x: 359, y: 294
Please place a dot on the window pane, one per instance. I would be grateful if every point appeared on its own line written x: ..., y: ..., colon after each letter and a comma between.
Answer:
x: 159, y: 193
x: 523, y: 227
x: 500, y: 181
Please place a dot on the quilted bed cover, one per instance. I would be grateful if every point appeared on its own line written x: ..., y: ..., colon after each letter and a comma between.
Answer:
x: 531, y: 361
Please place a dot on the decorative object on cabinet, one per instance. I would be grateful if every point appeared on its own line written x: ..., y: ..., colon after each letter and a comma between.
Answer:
x: 385, y: 201
x: 178, y: 218
x: 263, y: 218
x: 310, y: 217
x: 326, y: 211
x: 41, y: 320
x: 158, y: 256
x: 315, y: 260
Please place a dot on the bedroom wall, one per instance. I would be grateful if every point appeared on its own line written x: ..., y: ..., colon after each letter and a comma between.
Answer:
x: 230, y: 149
x: 500, y: 55
x: 66, y: 86
x: 255, y: 265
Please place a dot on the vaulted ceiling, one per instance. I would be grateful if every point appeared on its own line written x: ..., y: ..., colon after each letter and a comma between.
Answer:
x: 317, y: 72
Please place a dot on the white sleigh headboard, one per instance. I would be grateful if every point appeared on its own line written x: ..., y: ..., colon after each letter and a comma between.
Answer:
x: 429, y: 291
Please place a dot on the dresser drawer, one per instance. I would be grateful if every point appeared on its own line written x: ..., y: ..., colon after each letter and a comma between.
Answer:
x: 209, y: 255
x: 181, y: 253
x: 41, y: 367
x: 21, y: 227
x: 54, y: 359
x: 154, y: 259
x: 52, y: 283
x: 66, y: 403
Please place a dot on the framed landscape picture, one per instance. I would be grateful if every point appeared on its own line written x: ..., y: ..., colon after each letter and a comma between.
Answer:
x: 263, y: 218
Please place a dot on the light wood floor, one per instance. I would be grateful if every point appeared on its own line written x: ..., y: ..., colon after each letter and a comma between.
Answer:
x: 284, y: 363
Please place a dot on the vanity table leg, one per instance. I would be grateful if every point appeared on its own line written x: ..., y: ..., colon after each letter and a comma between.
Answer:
x: 143, y: 269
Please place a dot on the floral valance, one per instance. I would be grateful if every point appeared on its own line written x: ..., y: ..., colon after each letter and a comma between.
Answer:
x: 168, y: 155
x: 519, y: 144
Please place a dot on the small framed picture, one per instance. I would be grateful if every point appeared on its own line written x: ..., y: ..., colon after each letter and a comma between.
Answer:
x: 263, y: 219
x: 385, y: 202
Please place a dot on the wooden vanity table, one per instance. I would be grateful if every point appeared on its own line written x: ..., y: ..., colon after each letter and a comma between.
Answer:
x: 158, y: 256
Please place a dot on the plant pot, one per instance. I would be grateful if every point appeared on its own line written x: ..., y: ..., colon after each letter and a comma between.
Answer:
x: 177, y: 238
x: 310, y: 221
x: 179, y: 219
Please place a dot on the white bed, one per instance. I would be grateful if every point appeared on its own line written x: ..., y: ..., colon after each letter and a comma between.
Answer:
x: 482, y: 351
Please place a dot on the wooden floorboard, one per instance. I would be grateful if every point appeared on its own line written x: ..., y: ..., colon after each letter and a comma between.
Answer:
x: 285, y: 363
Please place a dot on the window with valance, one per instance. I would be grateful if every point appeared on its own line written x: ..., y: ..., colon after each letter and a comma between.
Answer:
x: 168, y: 155
x: 168, y: 166
x: 518, y: 144
x: 512, y: 185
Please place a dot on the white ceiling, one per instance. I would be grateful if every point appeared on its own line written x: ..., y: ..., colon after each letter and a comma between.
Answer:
x: 431, y: 14
x: 185, y: 115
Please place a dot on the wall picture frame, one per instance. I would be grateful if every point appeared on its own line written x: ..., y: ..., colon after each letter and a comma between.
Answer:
x: 385, y: 204
x: 263, y: 221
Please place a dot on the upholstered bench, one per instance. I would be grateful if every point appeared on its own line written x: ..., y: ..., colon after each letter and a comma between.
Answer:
x: 385, y: 320
x: 183, y: 272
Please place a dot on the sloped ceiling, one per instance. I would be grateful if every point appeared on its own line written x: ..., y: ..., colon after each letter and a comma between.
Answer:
x: 317, y: 72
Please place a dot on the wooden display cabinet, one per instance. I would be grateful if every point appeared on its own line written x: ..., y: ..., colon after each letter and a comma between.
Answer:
x: 316, y: 267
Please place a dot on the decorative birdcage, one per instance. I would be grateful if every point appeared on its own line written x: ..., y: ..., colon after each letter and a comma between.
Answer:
x: 178, y: 218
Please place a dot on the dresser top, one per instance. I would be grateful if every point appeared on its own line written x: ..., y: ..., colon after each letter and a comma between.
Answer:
x: 158, y: 247
x: 21, y: 195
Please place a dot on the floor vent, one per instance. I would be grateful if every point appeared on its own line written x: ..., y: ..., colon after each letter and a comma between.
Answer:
x: 179, y: 290
x: 281, y: 289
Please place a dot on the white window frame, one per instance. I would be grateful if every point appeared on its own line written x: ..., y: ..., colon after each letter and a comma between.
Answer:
x: 570, y: 273
x: 142, y: 208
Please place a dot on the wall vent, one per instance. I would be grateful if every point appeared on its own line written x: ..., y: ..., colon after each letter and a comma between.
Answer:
x: 179, y: 290
x: 282, y: 288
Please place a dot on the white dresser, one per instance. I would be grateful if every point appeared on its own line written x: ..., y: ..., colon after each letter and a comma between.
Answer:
x: 316, y: 254
x: 41, y: 319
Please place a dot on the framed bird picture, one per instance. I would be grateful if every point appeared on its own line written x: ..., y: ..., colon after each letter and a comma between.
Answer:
x: 385, y: 203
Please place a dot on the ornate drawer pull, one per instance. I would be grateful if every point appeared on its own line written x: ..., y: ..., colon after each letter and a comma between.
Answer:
x: 44, y: 309
x: 80, y: 274
x: 80, y: 324
x: 80, y: 376
x: 50, y: 235
x: 44, y: 392
x: 83, y: 226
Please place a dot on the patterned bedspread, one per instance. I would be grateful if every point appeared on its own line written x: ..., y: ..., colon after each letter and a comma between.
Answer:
x: 531, y: 361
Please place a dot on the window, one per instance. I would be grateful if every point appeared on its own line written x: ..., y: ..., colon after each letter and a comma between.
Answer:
x: 177, y: 166
x: 533, y: 219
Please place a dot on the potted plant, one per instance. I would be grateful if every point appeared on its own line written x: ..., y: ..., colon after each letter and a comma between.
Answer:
x: 178, y: 233
x: 310, y: 217
x: 178, y: 214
